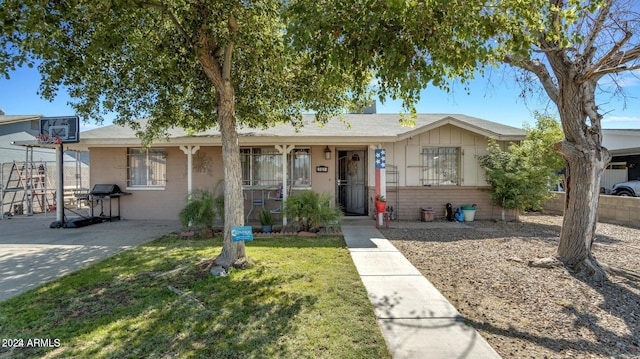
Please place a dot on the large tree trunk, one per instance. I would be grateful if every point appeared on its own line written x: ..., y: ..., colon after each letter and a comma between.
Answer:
x: 218, y: 70
x: 233, y: 253
x: 586, y: 160
x: 581, y: 212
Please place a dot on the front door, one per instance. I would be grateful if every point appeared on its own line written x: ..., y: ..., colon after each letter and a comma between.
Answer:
x: 352, y: 182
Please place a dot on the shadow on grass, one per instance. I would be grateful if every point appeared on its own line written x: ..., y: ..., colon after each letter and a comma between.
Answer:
x: 275, y: 241
x: 128, y: 310
x: 299, y: 242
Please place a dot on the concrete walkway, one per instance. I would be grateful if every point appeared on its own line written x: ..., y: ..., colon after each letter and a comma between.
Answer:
x: 416, y: 320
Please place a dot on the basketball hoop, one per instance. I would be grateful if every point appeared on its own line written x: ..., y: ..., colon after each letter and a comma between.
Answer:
x: 44, y: 139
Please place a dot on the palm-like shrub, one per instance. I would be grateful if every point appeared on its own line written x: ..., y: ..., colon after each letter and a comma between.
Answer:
x: 201, y: 210
x: 310, y: 210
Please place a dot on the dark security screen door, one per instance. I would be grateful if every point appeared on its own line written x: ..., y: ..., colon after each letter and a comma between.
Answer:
x: 352, y: 182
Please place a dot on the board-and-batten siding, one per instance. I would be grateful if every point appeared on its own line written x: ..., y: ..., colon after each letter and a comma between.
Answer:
x: 407, y: 154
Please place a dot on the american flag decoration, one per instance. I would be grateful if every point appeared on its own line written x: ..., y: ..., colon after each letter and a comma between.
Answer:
x: 381, y: 158
x: 380, y: 185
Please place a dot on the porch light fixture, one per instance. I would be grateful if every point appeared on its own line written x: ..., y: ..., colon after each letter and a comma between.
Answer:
x: 327, y: 153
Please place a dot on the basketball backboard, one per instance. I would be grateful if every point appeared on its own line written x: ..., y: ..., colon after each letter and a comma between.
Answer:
x: 66, y: 128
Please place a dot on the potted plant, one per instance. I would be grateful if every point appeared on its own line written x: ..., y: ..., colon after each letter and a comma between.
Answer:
x: 266, y: 220
x: 381, y: 204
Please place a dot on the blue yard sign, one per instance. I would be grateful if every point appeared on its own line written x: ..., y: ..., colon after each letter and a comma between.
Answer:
x: 244, y: 233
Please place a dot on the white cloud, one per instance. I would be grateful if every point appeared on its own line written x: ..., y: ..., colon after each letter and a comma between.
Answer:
x: 620, y: 119
x: 618, y: 122
x: 623, y: 79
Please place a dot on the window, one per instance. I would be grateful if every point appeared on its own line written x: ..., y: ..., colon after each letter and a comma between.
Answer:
x: 440, y: 166
x: 300, y: 167
x: 262, y: 166
x: 147, y: 167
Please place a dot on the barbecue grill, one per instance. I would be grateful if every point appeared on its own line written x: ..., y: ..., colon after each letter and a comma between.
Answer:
x: 102, y: 192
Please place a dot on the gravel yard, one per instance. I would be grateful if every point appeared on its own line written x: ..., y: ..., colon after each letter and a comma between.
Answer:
x: 525, y: 312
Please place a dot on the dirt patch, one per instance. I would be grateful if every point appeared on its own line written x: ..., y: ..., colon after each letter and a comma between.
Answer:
x: 481, y: 267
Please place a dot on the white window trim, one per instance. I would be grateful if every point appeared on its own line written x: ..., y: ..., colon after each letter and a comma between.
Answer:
x: 145, y: 187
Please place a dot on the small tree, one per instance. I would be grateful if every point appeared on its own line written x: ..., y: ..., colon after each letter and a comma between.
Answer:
x: 522, y: 176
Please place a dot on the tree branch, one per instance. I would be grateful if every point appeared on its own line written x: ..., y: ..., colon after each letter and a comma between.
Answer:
x: 540, y: 70
x: 209, y: 62
x: 627, y: 56
x: 228, y: 50
x: 608, y: 60
x: 172, y: 17
x: 615, y: 70
x: 589, y: 49
x: 208, y: 49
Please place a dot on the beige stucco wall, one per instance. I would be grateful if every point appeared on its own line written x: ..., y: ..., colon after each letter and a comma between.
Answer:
x: 323, y: 182
x: 109, y: 165
x: 208, y: 170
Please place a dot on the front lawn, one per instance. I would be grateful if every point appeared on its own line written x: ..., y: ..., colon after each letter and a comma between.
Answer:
x: 302, y: 299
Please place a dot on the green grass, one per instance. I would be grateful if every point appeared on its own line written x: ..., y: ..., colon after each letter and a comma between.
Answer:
x: 302, y: 299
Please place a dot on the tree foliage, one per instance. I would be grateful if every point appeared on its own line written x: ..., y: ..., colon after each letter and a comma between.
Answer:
x: 522, y: 176
x: 140, y: 59
x: 188, y: 64
x: 406, y: 45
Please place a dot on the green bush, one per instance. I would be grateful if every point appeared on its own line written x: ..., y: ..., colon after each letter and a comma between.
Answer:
x: 309, y: 210
x: 201, y: 210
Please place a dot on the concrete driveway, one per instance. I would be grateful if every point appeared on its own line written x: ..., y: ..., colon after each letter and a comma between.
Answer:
x: 32, y: 254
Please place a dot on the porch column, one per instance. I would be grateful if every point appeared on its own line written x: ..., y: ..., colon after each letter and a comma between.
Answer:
x: 284, y: 150
x: 189, y: 151
x: 380, y: 164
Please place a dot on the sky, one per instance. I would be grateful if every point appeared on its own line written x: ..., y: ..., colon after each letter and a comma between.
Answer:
x: 494, y: 97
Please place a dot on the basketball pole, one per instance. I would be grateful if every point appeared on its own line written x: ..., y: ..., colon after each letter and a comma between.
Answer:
x: 60, y: 189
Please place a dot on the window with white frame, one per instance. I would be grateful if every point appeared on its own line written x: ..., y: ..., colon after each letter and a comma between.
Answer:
x: 147, y: 167
x: 262, y: 166
x: 441, y: 166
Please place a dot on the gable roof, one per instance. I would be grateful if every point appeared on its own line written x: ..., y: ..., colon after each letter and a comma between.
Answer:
x: 348, y: 128
x: 8, y: 119
x: 12, y: 148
